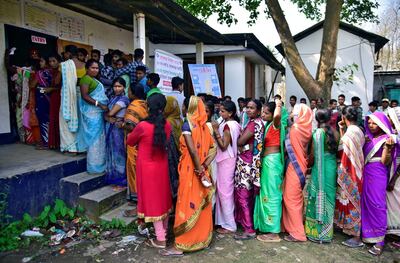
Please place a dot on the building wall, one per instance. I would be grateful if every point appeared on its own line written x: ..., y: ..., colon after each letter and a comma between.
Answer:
x: 381, y: 79
x: 351, y: 49
x: 100, y: 35
x: 235, y: 79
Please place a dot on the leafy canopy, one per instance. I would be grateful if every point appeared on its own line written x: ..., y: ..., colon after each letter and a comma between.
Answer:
x: 353, y: 11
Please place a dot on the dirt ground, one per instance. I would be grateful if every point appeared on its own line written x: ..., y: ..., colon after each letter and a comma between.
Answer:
x: 223, y: 249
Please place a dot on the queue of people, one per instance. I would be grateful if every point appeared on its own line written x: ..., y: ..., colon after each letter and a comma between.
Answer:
x: 262, y: 168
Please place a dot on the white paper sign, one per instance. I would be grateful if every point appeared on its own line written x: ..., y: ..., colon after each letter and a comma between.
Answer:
x: 167, y: 66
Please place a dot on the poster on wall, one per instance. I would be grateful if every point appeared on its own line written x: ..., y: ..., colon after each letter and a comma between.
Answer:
x: 40, y: 19
x: 205, y: 79
x: 71, y: 28
x: 10, y: 11
x: 167, y: 66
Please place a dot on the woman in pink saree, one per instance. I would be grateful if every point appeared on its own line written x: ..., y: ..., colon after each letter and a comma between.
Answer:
x: 296, y: 143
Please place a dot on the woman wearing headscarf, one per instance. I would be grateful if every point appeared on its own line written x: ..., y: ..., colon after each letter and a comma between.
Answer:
x: 393, y: 189
x: 296, y: 144
x: 322, y: 186
x: 153, y: 186
x: 247, y: 173
x: 193, y: 213
x: 378, y: 151
x: 349, y: 177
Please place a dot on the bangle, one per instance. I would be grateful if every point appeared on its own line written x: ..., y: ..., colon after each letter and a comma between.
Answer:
x: 97, y: 103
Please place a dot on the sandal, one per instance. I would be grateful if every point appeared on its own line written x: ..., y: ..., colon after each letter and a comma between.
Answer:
x: 244, y: 236
x: 396, y: 244
x: 267, y: 238
x: 129, y: 213
x: 224, y: 231
x: 151, y: 243
x: 376, y: 251
x: 352, y: 243
x: 289, y: 238
x: 172, y: 252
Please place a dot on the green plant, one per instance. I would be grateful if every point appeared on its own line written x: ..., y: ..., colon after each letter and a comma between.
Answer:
x: 51, y: 215
x: 345, y: 75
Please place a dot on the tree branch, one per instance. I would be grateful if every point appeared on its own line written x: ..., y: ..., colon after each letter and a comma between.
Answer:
x: 326, y: 65
x: 300, y: 71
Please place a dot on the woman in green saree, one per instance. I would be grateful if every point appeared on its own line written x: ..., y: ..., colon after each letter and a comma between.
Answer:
x: 322, y: 185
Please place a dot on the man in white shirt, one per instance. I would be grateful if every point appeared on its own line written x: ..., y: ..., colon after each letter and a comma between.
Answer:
x: 177, y: 91
x: 385, y: 106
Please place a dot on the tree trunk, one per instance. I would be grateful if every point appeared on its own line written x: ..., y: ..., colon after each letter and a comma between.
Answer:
x: 326, y: 65
x: 310, y: 86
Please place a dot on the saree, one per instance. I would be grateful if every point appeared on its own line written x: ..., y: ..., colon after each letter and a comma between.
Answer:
x: 172, y: 113
x: 393, y: 197
x: 136, y: 112
x: 43, y: 79
x: 193, y: 214
x: 55, y: 100
x: 321, y: 191
x: 247, y: 175
x: 268, y: 204
x: 297, y: 140
x: 226, y: 162
x: 349, y: 181
x: 115, y: 145
x: 375, y: 179
x: 68, y: 117
x: 91, y: 135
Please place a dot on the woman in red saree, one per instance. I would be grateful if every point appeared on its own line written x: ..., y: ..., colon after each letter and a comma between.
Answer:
x: 193, y: 214
x: 55, y: 101
x: 152, y: 178
x: 349, y: 180
x: 296, y: 143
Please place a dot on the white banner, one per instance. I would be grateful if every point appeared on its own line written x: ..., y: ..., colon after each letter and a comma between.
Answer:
x: 167, y: 66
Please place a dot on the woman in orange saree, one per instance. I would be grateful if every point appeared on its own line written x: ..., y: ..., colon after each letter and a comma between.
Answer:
x: 136, y: 112
x: 193, y: 214
x: 296, y: 144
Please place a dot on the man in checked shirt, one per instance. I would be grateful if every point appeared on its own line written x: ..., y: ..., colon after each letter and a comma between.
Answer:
x: 130, y: 68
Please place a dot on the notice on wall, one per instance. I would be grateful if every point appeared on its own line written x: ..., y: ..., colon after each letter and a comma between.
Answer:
x: 167, y: 66
x: 10, y: 12
x: 40, y: 19
x: 205, y: 79
x: 71, y: 28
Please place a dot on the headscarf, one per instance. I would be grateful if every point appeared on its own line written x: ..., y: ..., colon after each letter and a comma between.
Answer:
x: 172, y: 113
x: 302, y: 119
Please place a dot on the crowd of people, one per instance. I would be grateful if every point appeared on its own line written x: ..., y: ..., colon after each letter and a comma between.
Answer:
x: 261, y: 166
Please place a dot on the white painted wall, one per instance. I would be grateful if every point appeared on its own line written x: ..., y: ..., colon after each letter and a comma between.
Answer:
x: 100, y: 35
x: 180, y: 49
x: 351, y: 49
x: 235, y: 77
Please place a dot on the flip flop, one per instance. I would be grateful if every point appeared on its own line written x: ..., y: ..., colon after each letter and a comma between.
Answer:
x: 224, y: 231
x: 395, y: 244
x: 376, y: 251
x: 170, y: 253
x: 268, y: 239
x: 352, y: 243
x: 150, y: 242
x: 129, y: 213
x: 244, y: 236
x: 289, y: 238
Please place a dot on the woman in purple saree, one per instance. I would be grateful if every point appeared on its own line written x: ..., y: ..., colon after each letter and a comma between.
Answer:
x: 378, y: 157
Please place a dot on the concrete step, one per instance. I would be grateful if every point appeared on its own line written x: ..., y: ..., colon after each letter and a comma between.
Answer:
x: 117, y: 213
x: 73, y: 186
x: 102, y: 200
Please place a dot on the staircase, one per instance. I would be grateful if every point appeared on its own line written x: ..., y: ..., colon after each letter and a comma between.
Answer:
x: 100, y: 201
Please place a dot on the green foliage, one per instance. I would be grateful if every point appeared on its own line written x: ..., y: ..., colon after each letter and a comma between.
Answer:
x: 10, y: 234
x: 345, y: 74
x: 353, y: 11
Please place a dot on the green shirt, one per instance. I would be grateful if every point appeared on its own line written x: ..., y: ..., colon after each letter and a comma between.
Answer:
x: 153, y: 91
x: 91, y: 82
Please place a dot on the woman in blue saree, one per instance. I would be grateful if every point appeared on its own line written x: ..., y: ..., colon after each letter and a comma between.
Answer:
x: 115, y: 137
x: 92, y: 105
